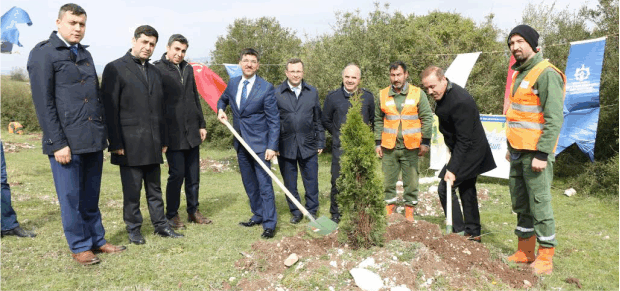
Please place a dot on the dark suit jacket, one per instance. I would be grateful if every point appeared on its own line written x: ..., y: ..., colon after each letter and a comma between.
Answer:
x: 134, y: 112
x: 258, y: 121
x: 300, y: 121
x: 182, y: 105
x: 459, y: 122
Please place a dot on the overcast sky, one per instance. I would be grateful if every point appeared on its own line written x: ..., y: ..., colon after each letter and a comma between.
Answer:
x: 111, y: 23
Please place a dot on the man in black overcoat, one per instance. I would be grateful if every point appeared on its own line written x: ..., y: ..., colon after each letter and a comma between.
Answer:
x: 133, y: 98
x: 459, y: 122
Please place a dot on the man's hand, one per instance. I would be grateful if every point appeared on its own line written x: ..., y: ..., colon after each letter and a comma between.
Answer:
x: 203, y: 134
x: 379, y: 151
x: 63, y: 155
x: 538, y: 165
x: 320, y: 151
x: 269, y: 154
x: 508, y: 156
x: 164, y: 149
x: 221, y: 116
x: 449, y: 177
x: 120, y: 152
x: 423, y: 150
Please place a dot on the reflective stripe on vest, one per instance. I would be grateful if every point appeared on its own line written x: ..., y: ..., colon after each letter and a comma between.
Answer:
x: 525, y: 119
x: 407, y: 119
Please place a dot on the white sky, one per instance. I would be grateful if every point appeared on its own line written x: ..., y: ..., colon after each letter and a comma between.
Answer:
x: 111, y: 23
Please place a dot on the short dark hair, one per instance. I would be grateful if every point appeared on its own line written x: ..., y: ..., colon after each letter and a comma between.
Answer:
x: 177, y: 37
x: 249, y: 51
x: 396, y: 64
x: 294, y: 61
x: 146, y: 30
x: 432, y: 70
x: 73, y: 8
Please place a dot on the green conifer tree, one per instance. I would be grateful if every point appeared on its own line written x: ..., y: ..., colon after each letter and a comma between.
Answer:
x: 360, y: 184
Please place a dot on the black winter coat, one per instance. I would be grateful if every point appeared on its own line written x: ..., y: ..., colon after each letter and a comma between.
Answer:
x: 336, y: 107
x: 134, y: 109
x: 182, y: 109
x: 459, y: 122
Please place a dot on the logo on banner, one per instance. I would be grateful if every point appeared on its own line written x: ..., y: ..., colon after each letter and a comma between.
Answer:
x: 583, y: 73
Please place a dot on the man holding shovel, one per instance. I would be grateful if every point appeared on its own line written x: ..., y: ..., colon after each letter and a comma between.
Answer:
x: 257, y: 120
x: 459, y: 122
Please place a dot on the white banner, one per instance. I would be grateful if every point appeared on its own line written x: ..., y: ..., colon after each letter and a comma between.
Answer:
x: 458, y: 72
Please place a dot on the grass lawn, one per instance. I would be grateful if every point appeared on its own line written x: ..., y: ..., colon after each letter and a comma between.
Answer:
x: 587, y: 230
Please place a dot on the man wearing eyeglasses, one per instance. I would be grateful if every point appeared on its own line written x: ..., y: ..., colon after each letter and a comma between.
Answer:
x: 302, y: 137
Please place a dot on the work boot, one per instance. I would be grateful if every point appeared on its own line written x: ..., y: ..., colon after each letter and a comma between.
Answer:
x: 197, y: 217
x: 525, y: 251
x: 409, y: 213
x: 176, y: 223
x: 543, y: 265
x: 390, y: 209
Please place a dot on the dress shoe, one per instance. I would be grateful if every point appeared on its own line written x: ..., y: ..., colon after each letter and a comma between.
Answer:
x: 249, y: 223
x: 135, y: 237
x: 197, y: 217
x: 109, y: 248
x: 167, y: 232
x: 86, y: 258
x: 268, y: 233
x: 336, y: 218
x: 18, y: 231
x: 176, y: 223
x: 296, y: 219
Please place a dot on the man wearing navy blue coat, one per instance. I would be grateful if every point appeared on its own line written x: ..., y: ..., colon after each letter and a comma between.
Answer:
x: 257, y: 120
x: 302, y: 137
x: 65, y: 94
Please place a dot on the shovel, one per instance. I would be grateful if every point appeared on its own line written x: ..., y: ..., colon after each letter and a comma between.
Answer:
x: 322, y: 225
x: 448, y: 201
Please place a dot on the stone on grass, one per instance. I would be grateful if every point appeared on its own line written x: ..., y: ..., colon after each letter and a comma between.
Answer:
x: 291, y: 260
x: 368, y: 262
x: 366, y: 280
x: 400, y: 288
x: 570, y: 192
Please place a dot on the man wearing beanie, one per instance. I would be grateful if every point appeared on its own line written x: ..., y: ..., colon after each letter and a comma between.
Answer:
x: 534, y: 121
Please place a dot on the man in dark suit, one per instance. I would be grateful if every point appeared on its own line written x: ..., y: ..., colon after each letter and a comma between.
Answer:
x: 459, y: 122
x: 186, y: 130
x: 133, y: 97
x: 64, y: 91
x: 257, y: 120
x: 302, y: 137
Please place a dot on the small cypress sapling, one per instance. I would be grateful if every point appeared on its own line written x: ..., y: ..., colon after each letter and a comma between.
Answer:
x: 360, y: 185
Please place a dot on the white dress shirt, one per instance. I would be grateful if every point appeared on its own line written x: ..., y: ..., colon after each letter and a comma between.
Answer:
x: 240, y: 89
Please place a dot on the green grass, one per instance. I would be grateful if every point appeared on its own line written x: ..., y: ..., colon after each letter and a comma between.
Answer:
x: 206, y: 256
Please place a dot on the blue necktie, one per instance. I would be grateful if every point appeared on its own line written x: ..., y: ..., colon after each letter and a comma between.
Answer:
x: 244, y: 93
x: 74, y: 50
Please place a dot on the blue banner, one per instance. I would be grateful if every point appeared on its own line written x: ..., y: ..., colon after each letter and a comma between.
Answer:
x: 8, y: 25
x: 581, y: 106
x: 233, y: 70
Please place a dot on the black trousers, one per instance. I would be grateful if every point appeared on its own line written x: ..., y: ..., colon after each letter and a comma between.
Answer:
x: 469, y: 219
x: 131, y: 179
x: 333, y: 208
x: 183, y: 165
x: 309, y: 168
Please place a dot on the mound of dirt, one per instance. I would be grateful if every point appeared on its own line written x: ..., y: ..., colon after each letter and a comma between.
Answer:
x: 416, y: 255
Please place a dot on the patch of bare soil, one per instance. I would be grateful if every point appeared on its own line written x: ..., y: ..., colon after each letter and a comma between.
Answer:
x: 416, y: 255
x: 15, y: 147
x: 209, y: 165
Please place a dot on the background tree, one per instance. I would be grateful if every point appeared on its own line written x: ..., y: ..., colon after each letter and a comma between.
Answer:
x: 361, y: 189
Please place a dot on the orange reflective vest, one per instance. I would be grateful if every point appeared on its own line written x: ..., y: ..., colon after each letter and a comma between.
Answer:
x: 16, y: 127
x: 525, y: 117
x: 407, y: 119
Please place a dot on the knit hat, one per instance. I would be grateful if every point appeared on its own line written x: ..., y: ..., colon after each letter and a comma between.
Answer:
x: 529, y: 34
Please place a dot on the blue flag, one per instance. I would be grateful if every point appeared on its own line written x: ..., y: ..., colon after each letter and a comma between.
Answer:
x: 581, y: 106
x: 233, y: 70
x: 8, y: 25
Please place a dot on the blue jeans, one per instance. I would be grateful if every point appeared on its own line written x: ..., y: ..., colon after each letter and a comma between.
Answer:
x: 9, y: 218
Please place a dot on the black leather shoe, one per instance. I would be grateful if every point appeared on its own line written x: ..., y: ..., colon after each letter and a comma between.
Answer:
x: 135, y: 237
x: 249, y: 223
x: 296, y: 219
x: 167, y: 232
x: 268, y: 233
x: 336, y: 219
x: 19, y: 232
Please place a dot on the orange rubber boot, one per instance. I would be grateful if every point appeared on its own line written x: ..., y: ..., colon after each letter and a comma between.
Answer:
x: 525, y: 251
x: 409, y: 213
x: 390, y: 209
x: 543, y: 265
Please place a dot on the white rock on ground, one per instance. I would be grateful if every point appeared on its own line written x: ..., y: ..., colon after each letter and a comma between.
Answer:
x: 291, y: 260
x: 570, y: 192
x: 400, y: 288
x: 432, y: 189
x: 366, y: 280
x: 368, y: 262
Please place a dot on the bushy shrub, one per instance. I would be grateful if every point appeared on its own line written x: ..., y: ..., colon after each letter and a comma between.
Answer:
x: 218, y: 135
x: 19, y: 74
x: 17, y: 104
x: 599, y: 179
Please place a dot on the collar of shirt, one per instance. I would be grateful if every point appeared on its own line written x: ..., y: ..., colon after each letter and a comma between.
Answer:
x: 403, y: 91
x: 63, y: 40
x: 293, y: 87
